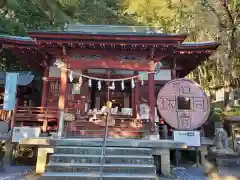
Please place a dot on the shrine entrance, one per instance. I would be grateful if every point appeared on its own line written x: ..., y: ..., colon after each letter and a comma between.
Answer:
x: 119, y: 97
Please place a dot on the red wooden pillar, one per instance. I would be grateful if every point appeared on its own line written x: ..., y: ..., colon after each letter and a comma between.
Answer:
x: 151, y: 99
x: 174, y: 67
x: 133, y: 104
x: 45, y: 88
x: 63, y: 90
x: 62, y: 95
x: 137, y: 99
x: 151, y: 91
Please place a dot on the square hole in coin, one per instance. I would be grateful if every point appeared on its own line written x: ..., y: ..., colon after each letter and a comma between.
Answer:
x: 184, y: 103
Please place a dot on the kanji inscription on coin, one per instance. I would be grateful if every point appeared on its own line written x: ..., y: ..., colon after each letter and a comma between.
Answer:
x: 183, y: 104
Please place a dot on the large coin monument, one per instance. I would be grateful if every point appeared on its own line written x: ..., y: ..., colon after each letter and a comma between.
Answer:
x: 183, y: 104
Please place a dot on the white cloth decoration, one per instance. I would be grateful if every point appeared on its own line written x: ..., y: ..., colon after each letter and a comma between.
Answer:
x: 132, y: 83
x: 122, y: 84
x: 113, y: 85
x: 71, y: 76
x: 90, y: 83
x: 99, y: 85
x: 80, y: 81
x: 141, y: 78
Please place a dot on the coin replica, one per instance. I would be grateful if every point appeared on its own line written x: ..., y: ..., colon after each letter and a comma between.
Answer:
x: 183, y: 104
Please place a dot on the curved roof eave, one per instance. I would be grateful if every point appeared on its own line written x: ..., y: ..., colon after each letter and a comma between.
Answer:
x: 186, y: 46
x: 17, y: 40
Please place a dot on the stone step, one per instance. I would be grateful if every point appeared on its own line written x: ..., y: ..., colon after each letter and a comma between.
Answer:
x: 95, y: 176
x: 98, y: 150
x: 107, y: 168
x: 92, y: 158
x: 121, y: 142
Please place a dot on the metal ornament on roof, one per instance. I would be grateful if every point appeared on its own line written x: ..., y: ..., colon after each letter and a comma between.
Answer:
x: 183, y: 104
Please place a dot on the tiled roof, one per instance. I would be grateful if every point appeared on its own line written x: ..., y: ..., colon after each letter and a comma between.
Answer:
x: 109, y: 30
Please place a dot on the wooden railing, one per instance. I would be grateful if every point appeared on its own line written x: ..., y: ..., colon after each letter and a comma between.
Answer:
x: 46, y: 118
x: 5, y: 115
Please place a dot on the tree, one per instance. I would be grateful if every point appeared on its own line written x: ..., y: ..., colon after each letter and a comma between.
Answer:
x: 226, y: 30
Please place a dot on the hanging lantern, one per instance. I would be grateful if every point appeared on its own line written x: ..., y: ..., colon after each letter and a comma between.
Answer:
x: 71, y: 76
x: 122, y: 85
x: 99, y: 85
x: 132, y: 83
x: 90, y: 83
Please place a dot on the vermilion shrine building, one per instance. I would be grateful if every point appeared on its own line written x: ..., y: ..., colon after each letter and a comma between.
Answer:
x: 106, y: 52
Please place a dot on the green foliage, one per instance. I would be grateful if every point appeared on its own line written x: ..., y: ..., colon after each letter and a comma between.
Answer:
x: 204, y: 20
x: 235, y: 111
x: 215, y: 116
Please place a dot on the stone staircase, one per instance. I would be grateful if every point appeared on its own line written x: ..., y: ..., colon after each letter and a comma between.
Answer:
x: 84, y: 162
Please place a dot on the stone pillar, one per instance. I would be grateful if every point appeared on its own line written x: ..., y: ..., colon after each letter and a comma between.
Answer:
x: 164, y: 153
x: 165, y: 161
x: 42, y: 159
x: 151, y: 100
x: 45, y: 88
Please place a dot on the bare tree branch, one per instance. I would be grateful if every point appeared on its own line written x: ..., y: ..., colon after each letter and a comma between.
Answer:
x: 226, y: 8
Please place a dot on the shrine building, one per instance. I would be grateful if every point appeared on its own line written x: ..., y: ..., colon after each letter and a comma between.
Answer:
x: 98, y: 53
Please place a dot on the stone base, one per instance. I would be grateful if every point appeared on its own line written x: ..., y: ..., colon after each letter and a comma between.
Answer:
x: 224, y: 158
x: 42, y: 159
x: 152, y: 137
x: 164, y: 161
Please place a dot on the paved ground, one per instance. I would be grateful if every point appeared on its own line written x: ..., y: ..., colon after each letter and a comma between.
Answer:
x: 25, y: 173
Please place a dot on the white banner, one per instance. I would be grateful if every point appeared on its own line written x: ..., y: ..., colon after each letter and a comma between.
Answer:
x: 10, y: 91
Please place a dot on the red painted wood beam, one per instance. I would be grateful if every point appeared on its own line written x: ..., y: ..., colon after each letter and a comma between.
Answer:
x: 105, y: 52
x: 86, y: 42
x: 108, y: 64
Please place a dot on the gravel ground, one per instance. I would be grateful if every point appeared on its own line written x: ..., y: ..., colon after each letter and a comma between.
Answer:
x: 189, y: 173
x: 14, y: 172
x: 26, y: 173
